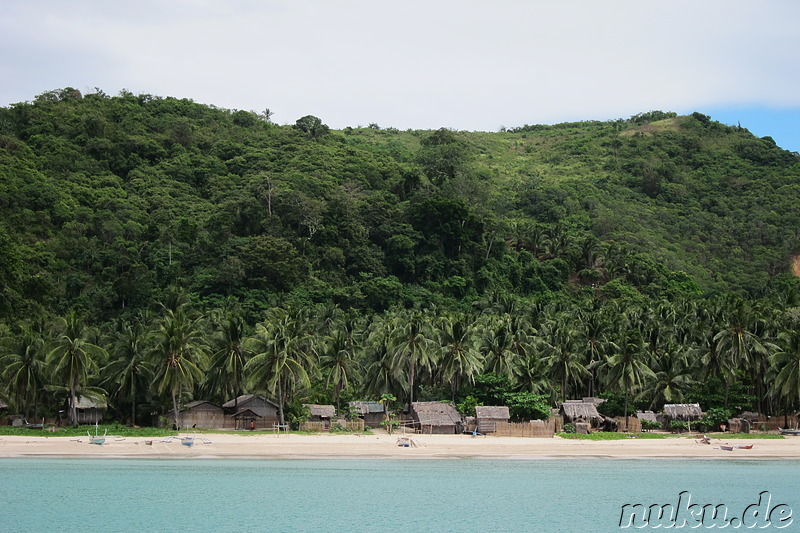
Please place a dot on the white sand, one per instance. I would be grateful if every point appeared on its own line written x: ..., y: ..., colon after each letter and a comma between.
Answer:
x: 271, y: 446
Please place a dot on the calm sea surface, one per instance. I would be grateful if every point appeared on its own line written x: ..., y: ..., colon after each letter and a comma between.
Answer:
x: 350, y: 495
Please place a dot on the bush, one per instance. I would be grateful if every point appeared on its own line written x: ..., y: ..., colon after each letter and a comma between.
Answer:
x: 678, y: 426
x: 648, y: 425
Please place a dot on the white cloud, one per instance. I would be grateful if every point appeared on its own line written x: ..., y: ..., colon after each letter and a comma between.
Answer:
x: 462, y: 64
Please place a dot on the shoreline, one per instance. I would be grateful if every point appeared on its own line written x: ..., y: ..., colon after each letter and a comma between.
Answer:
x: 384, y: 446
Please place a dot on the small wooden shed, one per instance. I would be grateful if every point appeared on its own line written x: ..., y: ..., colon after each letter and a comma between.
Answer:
x: 202, y: 414
x: 436, y: 418
x: 487, y: 417
x: 371, y: 412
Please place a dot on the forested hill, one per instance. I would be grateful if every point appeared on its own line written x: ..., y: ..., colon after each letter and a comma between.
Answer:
x: 108, y: 203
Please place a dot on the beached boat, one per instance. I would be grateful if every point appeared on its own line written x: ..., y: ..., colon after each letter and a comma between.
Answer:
x: 187, y: 441
x: 726, y: 448
x: 97, y: 439
x: 745, y: 447
x: 789, y: 431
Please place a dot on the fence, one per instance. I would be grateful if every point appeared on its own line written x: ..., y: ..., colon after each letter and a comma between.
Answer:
x: 534, y: 428
x: 634, y: 424
x: 320, y: 427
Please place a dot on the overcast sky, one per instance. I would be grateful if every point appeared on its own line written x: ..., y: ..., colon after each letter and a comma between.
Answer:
x: 462, y: 64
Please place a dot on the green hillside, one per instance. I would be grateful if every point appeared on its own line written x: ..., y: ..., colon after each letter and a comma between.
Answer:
x: 117, y: 210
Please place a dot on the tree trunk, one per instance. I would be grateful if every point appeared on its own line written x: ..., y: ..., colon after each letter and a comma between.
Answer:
x: 74, y: 407
x: 175, y: 409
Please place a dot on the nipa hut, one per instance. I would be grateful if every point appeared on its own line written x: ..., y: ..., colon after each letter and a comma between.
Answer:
x: 646, y: 415
x: 202, y: 414
x: 436, y: 417
x: 251, y: 411
x: 488, y: 416
x: 371, y: 412
x: 320, y: 413
x: 89, y: 411
x: 688, y: 412
x: 578, y: 411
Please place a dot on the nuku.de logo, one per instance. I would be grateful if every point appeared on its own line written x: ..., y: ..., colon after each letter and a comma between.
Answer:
x: 760, y: 515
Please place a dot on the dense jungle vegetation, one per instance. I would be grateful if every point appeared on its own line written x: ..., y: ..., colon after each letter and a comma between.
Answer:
x: 155, y: 250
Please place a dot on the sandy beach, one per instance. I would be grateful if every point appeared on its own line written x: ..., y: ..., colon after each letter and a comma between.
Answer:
x: 271, y: 446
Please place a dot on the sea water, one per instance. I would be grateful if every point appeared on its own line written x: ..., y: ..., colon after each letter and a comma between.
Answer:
x: 375, y: 495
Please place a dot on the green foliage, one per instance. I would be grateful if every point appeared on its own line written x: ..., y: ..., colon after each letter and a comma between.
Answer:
x: 678, y: 426
x: 650, y: 425
x: 551, y: 244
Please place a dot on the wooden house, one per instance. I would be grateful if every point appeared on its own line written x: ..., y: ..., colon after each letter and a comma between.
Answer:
x: 251, y: 411
x: 89, y: 411
x: 371, y: 412
x: 487, y: 417
x: 436, y: 418
x: 202, y: 414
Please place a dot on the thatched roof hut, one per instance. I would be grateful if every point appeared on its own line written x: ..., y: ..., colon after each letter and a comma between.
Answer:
x: 89, y: 410
x: 436, y: 417
x: 320, y: 413
x: 646, y: 415
x: 683, y: 411
x: 487, y: 417
x: 575, y: 411
x: 371, y: 412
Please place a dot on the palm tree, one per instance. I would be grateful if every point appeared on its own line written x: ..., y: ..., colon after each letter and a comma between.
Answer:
x: 179, y: 355
x: 497, y: 348
x: 626, y: 368
x: 672, y: 376
x: 129, y: 372
x: 283, y: 353
x: 562, y: 355
x: 414, y: 350
x: 74, y: 359
x: 459, y: 358
x: 226, y: 371
x: 786, y: 365
x: 22, y: 360
x: 338, y: 358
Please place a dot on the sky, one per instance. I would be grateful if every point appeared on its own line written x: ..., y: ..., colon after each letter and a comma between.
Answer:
x: 460, y: 64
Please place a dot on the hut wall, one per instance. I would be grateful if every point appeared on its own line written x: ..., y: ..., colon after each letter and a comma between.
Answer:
x: 489, y: 425
x: 449, y: 429
x: 202, y: 418
x: 373, y: 420
x: 90, y: 415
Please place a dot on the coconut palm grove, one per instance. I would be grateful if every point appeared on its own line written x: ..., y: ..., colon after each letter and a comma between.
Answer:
x: 156, y: 251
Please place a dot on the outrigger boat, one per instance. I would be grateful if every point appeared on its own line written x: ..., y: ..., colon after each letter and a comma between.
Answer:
x: 794, y: 432
x: 97, y: 439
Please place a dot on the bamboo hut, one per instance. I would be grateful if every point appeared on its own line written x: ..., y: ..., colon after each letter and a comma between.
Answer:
x: 371, y: 412
x: 89, y: 411
x: 202, y: 414
x: 320, y: 413
x: 436, y: 418
x: 487, y: 417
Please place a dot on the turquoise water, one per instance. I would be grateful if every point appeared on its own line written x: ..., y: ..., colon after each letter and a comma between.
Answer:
x: 350, y: 495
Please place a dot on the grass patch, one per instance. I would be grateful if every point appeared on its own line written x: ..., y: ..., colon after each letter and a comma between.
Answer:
x: 614, y: 436
x: 81, y: 431
x: 743, y: 436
